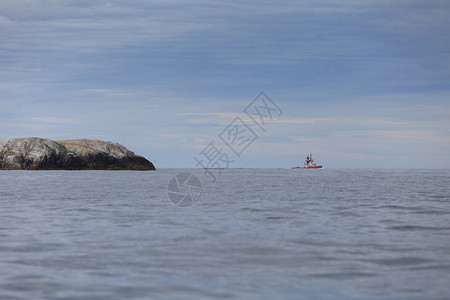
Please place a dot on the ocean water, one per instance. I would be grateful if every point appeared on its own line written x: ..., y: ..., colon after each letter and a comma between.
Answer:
x: 253, y: 234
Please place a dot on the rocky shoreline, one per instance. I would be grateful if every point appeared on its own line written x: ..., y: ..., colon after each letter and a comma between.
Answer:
x: 44, y: 154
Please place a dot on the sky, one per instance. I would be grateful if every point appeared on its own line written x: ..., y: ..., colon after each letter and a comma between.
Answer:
x: 362, y: 84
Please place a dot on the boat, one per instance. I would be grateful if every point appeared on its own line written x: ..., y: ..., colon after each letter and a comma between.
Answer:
x: 309, y: 164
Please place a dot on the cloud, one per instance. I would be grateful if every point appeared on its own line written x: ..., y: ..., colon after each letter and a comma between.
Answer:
x: 211, y: 118
x: 418, y: 136
x: 32, y: 127
x: 4, y: 21
x: 54, y: 120
x: 87, y: 28
x: 219, y: 118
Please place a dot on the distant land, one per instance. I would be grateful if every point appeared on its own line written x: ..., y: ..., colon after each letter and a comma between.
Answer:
x: 35, y: 153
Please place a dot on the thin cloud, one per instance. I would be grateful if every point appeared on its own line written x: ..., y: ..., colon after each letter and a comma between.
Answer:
x: 4, y: 21
x: 54, y: 120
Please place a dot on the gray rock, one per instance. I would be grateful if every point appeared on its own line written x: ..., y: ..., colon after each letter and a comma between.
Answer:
x: 44, y: 154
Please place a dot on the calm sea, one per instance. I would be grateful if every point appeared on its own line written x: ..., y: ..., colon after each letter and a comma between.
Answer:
x: 253, y: 234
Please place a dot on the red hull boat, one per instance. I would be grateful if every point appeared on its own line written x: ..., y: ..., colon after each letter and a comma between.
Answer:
x: 309, y: 164
x: 313, y: 167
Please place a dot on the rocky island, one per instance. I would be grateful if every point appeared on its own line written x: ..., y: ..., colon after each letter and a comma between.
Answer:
x: 44, y: 154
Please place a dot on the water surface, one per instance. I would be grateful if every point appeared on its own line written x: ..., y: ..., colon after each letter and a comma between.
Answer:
x: 254, y: 234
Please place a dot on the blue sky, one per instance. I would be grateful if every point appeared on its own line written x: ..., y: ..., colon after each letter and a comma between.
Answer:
x: 362, y: 80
